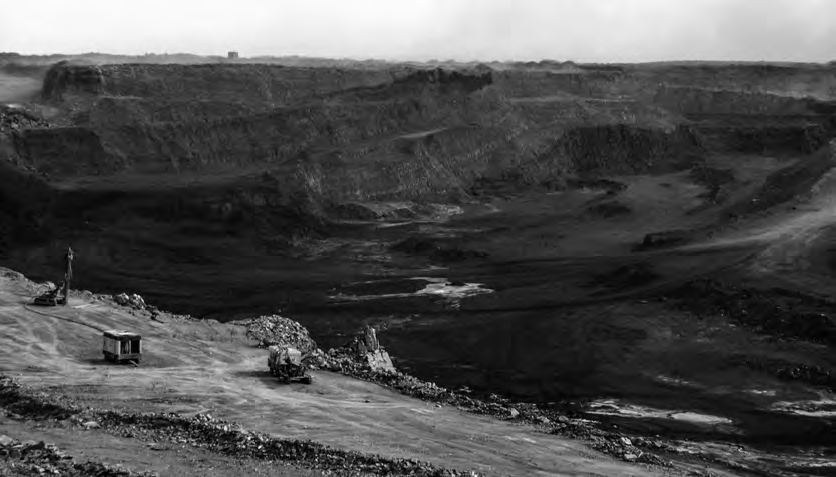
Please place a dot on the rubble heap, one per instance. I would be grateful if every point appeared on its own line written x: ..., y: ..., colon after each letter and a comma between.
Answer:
x: 133, y: 301
x: 40, y: 458
x: 280, y: 331
x: 213, y: 434
x: 136, y: 302
x: 362, y: 354
x: 14, y: 119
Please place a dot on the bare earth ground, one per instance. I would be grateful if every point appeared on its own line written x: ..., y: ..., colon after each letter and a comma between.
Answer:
x: 198, y: 367
x: 180, y: 460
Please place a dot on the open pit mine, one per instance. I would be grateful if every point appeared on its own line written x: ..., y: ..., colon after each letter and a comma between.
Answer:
x: 416, y: 269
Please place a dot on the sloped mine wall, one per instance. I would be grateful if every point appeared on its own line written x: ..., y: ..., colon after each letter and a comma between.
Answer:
x: 357, y: 151
x: 409, y: 133
x: 66, y: 152
x: 815, y: 81
x: 522, y: 84
x: 781, y: 136
x: 67, y: 78
x: 752, y: 121
x: 699, y: 101
x: 254, y: 84
x: 623, y: 149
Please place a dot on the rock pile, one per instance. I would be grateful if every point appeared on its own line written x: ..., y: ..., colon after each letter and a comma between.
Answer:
x: 614, y: 443
x: 216, y: 435
x: 136, y: 302
x: 362, y: 356
x: 14, y: 119
x: 133, y: 301
x: 40, y: 458
x: 280, y: 331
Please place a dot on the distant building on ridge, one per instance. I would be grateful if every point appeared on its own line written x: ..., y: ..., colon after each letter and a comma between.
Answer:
x: 232, y: 55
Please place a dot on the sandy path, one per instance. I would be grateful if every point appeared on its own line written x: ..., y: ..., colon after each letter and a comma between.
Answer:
x: 196, y: 367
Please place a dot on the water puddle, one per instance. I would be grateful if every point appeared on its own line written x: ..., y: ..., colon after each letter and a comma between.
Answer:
x: 611, y: 407
x: 436, y: 287
x: 762, y: 392
x: 676, y: 381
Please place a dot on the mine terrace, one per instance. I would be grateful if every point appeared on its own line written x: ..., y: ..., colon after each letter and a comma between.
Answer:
x: 333, y: 267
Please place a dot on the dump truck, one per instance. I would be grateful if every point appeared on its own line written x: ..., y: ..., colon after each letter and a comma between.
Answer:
x: 121, y: 346
x: 286, y: 364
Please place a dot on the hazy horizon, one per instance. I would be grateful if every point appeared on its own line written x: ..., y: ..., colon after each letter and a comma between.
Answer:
x: 461, y: 30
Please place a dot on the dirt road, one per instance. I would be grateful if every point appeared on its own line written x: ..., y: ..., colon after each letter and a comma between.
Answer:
x: 788, y: 239
x: 192, y: 367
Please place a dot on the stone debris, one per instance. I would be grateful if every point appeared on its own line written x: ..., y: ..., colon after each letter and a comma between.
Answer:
x: 362, y: 353
x: 614, y: 443
x: 280, y: 331
x: 13, y: 119
x: 205, y: 431
x: 40, y: 458
x: 132, y: 301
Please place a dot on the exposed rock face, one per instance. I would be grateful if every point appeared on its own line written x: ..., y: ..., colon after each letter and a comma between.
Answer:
x: 362, y: 354
x: 624, y: 149
x: 13, y: 119
x: 65, y: 77
x: 367, y: 349
x: 270, y: 84
x: 753, y: 121
x: 419, y: 134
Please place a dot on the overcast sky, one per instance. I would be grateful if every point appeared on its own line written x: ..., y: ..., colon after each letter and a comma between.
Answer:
x: 580, y: 30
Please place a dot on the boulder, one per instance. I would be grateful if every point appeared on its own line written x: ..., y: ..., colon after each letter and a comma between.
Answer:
x: 132, y: 301
x: 379, y: 361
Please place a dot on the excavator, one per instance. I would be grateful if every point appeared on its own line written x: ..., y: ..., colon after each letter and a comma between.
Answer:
x: 53, y: 297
